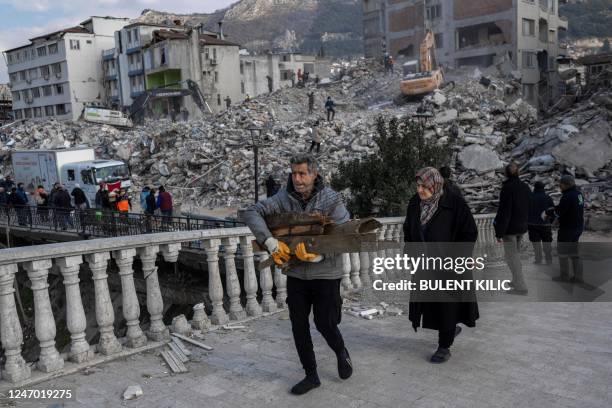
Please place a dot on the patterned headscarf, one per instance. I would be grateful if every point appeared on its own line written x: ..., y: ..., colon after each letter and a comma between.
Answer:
x: 433, y: 180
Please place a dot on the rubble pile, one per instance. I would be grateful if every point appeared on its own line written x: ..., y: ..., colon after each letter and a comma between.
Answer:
x: 210, y: 162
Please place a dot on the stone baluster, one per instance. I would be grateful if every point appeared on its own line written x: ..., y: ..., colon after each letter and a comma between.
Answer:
x: 346, y: 284
x: 265, y: 283
x: 124, y: 258
x: 397, y: 237
x: 105, y: 315
x: 44, y: 322
x: 15, y: 368
x: 381, y: 252
x: 250, y: 278
x: 364, y: 269
x: 155, y: 302
x: 355, y: 279
x: 280, y: 281
x: 232, y: 284
x: 75, y: 314
x: 200, y: 318
x: 389, y: 236
x: 215, y: 287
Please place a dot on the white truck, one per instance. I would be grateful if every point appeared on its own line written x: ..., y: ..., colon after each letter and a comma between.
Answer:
x: 106, y: 117
x: 69, y: 167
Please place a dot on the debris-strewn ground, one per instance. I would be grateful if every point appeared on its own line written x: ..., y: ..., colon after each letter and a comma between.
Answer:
x: 208, y: 163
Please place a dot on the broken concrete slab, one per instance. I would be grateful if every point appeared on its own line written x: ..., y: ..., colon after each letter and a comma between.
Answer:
x: 591, y: 149
x: 132, y: 392
x: 446, y: 116
x: 480, y: 158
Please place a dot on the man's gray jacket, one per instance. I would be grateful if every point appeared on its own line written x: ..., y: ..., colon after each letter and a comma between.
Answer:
x: 324, y: 201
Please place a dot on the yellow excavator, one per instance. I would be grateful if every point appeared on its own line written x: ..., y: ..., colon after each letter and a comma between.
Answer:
x: 430, y: 76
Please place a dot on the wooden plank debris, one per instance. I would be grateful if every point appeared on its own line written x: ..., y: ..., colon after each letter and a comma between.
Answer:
x: 192, y: 341
x: 173, y: 362
x: 177, y: 351
x: 181, y: 346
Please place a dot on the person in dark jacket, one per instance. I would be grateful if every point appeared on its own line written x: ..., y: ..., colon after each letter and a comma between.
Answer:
x: 16, y: 201
x: 3, y: 200
x: 313, y: 280
x: 272, y: 186
x: 150, y: 207
x: 164, y: 203
x: 445, y: 172
x: 439, y: 215
x: 63, y: 206
x: 80, y: 199
x: 22, y: 193
x: 330, y: 108
x: 540, y: 231
x: 511, y: 224
x: 8, y: 184
x: 570, y: 213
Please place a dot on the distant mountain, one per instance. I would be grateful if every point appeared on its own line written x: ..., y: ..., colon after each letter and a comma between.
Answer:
x: 335, y: 26
x: 588, y: 18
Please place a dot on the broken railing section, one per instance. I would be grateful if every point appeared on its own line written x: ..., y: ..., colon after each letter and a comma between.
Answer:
x: 264, y: 290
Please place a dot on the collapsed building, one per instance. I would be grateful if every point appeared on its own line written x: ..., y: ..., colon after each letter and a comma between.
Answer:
x: 471, y: 33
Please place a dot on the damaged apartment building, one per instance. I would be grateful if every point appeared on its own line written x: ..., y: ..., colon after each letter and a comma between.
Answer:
x: 474, y: 33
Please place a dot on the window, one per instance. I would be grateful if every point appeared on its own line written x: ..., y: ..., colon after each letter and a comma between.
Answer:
x: 528, y: 27
x: 88, y: 41
x: 87, y: 177
x: 27, y: 113
x: 44, y: 71
x: 434, y: 12
x: 61, y: 109
x: 135, y: 35
x: 528, y: 91
x: 214, y: 53
x: 242, y: 86
x: 216, y: 76
x: 32, y: 53
x: 219, y: 99
x: 33, y: 73
x: 206, y: 53
x: 70, y: 174
x: 59, y: 89
x: 13, y: 78
x: 52, y: 49
x: 15, y: 96
x: 41, y: 51
x: 47, y: 91
x: 57, y: 68
x: 241, y: 68
x: 22, y: 75
x: 552, y: 36
x: 75, y: 45
x: 25, y: 95
x: 49, y: 110
x: 528, y: 59
x: 439, y: 40
x: 18, y: 114
x: 38, y: 112
x: 36, y: 92
x: 10, y: 58
x: 129, y: 35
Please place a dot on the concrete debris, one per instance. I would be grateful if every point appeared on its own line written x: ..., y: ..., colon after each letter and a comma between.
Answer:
x: 394, y: 311
x: 133, y: 392
x: 208, y: 163
x: 180, y: 325
x: 192, y: 341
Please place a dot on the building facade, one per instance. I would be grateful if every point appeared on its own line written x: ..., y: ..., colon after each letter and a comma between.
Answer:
x: 56, y: 75
x: 476, y: 33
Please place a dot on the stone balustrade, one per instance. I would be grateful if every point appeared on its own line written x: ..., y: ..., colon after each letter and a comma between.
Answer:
x: 222, y: 247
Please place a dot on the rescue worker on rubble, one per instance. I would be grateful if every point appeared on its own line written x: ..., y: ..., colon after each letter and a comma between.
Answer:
x: 313, y: 280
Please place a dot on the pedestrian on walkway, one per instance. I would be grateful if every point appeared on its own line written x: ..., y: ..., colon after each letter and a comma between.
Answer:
x: 164, y: 203
x: 540, y: 231
x: 570, y: 213
x: 143, y: 198
x: 313, y: 280
x: 151, y: 206
x: 63, y: 207
x: 80, y: 199
x: 439, y: 215
x: 511, y: 224
x: 17, y: 202
x: 330, y: 108
x: 4, y: 197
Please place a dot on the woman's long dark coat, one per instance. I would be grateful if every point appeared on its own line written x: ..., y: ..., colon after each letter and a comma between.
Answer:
x: 452, y: 222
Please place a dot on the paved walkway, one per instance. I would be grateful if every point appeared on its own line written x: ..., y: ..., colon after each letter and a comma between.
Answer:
x: 521, y: 354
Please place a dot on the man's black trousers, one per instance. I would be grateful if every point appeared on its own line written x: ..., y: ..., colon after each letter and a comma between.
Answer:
x: 323, y: 297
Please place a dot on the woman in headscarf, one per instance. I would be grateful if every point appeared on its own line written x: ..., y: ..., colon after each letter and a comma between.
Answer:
x: 439, y: 215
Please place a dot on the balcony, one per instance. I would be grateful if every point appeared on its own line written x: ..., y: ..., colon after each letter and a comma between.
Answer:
x: 108, y: 54
x: 135, y: 72
x: 133, y: 50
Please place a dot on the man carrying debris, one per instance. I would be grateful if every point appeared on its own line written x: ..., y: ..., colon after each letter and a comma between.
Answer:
x: 330, y: 108
x: 570, y: 212
x: 316, y: 137
x: 314, y: 281
x: 540, y: 232
x: 511, y: 224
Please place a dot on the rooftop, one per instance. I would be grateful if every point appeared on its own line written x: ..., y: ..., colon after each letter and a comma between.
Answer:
x: 595, y: 59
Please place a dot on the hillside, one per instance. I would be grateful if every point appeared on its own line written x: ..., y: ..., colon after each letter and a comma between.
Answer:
x: 588, y: 18
x: 306, y: 25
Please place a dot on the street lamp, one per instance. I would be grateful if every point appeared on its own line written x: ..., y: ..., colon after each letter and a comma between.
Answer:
x: 256, y: 142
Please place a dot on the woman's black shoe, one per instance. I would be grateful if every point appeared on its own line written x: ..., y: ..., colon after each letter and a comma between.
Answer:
x: 345, y: 365
x: 307, y: 384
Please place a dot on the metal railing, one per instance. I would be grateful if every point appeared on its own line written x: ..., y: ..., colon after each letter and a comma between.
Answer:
x: 103, y: 223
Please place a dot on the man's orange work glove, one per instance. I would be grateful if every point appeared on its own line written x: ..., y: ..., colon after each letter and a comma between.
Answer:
x: 279, y: 251
x: 304, y: 256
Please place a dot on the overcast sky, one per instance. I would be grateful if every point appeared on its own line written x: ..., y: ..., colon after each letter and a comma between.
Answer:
x: 23, y: 19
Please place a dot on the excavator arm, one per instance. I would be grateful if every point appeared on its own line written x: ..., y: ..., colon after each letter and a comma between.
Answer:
x: 428, y: 57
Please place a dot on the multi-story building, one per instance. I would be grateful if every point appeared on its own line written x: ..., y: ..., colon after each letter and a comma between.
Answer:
x: 478, y: 33
x: 57, y: 74
x: 374, y: 20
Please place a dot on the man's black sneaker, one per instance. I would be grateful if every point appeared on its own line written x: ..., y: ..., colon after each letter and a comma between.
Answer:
x: 345, y: 365
x: 309, y: 383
